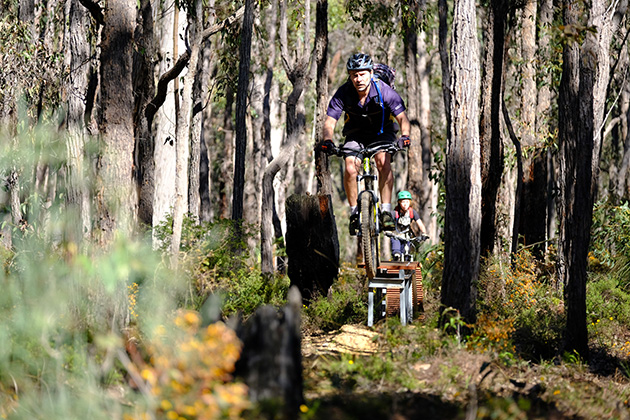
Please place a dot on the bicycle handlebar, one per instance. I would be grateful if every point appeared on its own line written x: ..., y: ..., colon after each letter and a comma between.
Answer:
x: 419, y: 239
x: 370, y: 150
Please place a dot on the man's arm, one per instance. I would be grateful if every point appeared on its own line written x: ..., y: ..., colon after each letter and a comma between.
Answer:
x: 329, y: 128
x: 403, y: 122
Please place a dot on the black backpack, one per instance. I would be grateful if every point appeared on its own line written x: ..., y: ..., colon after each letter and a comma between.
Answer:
x: 385, y: 73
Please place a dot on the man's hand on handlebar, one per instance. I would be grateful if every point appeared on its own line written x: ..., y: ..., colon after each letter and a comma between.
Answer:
x: 328, y: 147
x: 404, y: 141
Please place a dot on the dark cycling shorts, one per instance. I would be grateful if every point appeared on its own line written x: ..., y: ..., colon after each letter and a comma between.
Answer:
x: 356, y: 146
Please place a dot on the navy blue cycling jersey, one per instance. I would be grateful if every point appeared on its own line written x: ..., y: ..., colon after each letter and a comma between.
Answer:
x: 363, y: 123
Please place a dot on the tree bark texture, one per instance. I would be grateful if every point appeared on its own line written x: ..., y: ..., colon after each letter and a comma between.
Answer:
x: 322, y: 169
x: 114, y: 205
x: 445, y: 61
x: 414, y: 153
x: 183, y: 135
x: 594, y: 72
x: 164, y: 127
x: 463, y: 178
x: 241, y: 110
x: 544, y: 124
x: 312, y: 244
x: 206, y: 184
x: 271, y: 359
x: 567, y: 134
x: 428, y: 189
x: 491, y: 142
x: 77, y: 94
x: 622, y: 184
x: 533, y: 221
x: 144, y: 87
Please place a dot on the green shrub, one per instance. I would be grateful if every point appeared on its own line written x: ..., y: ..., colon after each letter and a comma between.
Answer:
x: 610, y: 239
x: 216, y: 263
x: 518, y: 296
x: 65, y: 315
x: 347, y: 303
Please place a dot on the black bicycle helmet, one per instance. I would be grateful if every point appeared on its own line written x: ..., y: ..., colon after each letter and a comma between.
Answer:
x: 359, y: 61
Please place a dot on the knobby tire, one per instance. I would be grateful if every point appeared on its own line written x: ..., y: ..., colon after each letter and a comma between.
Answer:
x: 369, y: 238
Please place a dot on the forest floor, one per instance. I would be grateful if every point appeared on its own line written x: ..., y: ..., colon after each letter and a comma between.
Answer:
x: 456, y: 383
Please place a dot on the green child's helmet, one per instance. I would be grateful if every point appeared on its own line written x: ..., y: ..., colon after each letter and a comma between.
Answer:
x: 404, y: 195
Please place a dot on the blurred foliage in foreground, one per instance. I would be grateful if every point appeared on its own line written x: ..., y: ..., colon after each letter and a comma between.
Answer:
x: 101, y: 335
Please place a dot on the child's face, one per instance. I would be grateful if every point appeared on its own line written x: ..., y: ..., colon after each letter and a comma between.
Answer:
x: 404, y: 204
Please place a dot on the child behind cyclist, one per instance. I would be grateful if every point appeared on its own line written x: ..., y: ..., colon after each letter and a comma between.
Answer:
x: 405, y: 219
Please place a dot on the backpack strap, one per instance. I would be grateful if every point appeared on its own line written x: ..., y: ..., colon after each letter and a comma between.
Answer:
x: 380, y: 102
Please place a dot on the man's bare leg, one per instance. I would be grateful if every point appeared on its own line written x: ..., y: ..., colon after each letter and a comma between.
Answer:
x: 350, y: 180
x: 385, y: 177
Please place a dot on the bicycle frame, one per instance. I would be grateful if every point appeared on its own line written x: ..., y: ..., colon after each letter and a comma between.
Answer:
x: 368, y: 179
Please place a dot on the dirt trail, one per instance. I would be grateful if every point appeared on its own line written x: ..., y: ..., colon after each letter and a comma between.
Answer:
x: 352, y: 339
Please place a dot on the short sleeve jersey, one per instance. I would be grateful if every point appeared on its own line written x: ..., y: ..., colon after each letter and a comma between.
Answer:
x: 363, y: 122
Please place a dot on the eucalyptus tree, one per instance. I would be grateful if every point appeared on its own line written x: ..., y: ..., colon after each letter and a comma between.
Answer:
x: 545, y: 125
x: 184, y: 134
x: 491, y: 143
x: 586, y: 72
x: 80, y: 93
x: 417, y: 74
x: 241, y: 110
x: 114, y: 199
x: 463, y: 176
x: 144, y: 89
x: 533, y: 221
x: 299, y: 69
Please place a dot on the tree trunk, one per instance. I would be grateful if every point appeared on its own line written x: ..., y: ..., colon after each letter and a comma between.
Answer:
x: 182, y: 141
x: 414, y: 154
x: 271, y: 359
x: 576, y: 333
x: 312, y: 244
x: 322, y: 170
x: 77, y: 92
x: 533, y: 221
x: 622, y: 184
x: 445, y: 62
x: 428, y: 189
x: 13, y: 182
x: 594, y: 72
x: 463, y: 179
x: 226, y: 183
x: 144, y: 87
x: 205, y: 114
x: 199, y: 89
x: 241, y: 110
x: 298, y: 74
x: 114, y: 168
x: 165, y: 118
x: 567, y: 133
x: 490, y: 131
x: 543, y: 112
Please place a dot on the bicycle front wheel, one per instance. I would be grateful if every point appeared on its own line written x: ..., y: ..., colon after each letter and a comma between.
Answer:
x: 369, y: 238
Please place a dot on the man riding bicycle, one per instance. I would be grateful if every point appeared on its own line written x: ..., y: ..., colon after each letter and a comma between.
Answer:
x: 373, y: 113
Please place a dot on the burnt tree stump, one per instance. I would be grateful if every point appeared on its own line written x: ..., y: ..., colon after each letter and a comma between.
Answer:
x: 312, y: 243
x: 271, y: 359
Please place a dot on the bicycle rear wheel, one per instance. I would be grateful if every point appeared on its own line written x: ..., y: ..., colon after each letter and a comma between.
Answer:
x: 369, y: 238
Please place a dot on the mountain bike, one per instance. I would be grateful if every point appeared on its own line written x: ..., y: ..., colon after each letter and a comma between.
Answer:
x: 367, y: 200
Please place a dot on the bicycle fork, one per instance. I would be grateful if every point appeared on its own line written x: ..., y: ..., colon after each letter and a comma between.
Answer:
x: 369, y: 189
